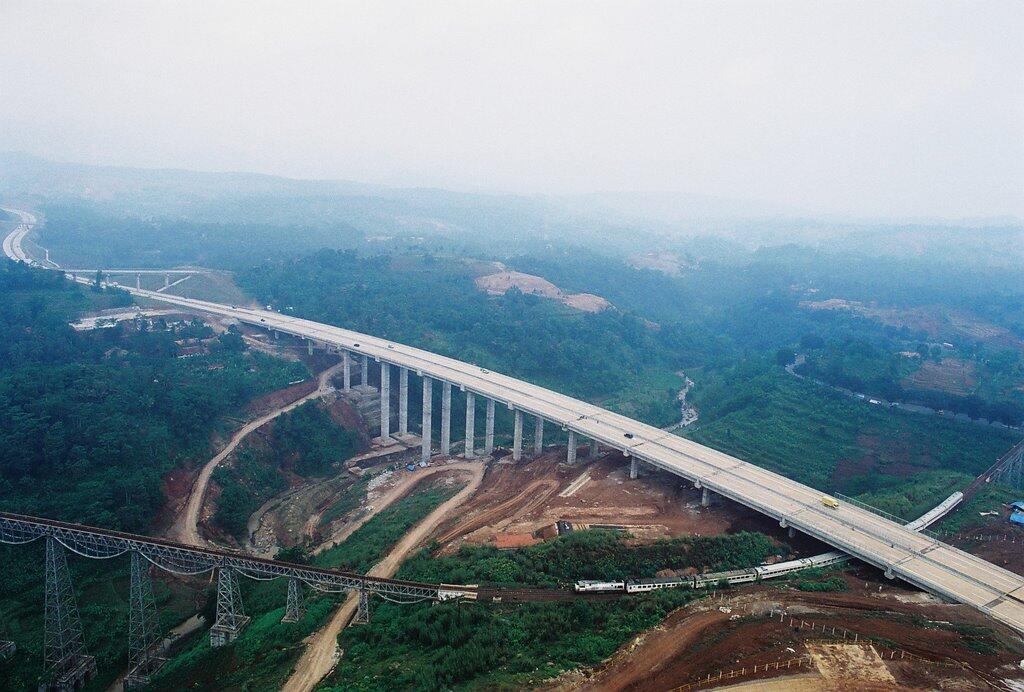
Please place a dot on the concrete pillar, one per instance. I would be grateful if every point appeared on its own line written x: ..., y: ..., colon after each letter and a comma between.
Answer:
x: 385, y: 399
x: 538, y: 436
x: 277, y: 334
x: 428, y: 404
x: 791, y: 533
x: 138, y: 281
x: 570, y: 456
x: 517, y: 437
x: 470, y: 424
x: 446, y: 418
x: 489, y: 431
x: 632, y: 467
x: 403, y: 401
x: 705, y: 497
x: 346, y: 369
x: 167, y: 280
x: 309, y: 346
x: 364, y: 371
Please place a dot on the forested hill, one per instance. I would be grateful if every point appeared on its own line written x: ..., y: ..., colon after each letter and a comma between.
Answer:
x: 89, y: 421
x: 433, y: 303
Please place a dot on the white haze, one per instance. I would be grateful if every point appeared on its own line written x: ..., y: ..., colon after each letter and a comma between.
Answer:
x: 857, y: 108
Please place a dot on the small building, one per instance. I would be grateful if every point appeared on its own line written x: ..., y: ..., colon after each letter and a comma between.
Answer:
x: 1017, y: 518
x: 1018, y: 506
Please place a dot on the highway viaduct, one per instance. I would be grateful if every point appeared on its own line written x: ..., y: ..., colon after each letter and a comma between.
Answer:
x: 897, y: 550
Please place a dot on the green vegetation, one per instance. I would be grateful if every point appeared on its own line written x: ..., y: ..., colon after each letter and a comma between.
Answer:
x: 370, y: 542
x: 102, y: 592
x: 991, y: 497
x: 304, y: 441
x: 979, y: 380
x: 265, y: 652
x: 589, y: 555
x: 433, y: 303
x: 835, y: 583
x: 504, y: 646
x: 912, y: 499
x: 89, y: 424
x: 246, y: 484
x: 348, y: 501
x: 308, y: 442
x: 758, y: 412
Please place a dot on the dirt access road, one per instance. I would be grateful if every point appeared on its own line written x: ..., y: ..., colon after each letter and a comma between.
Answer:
x: 405, y: 483
x: 186, y: 525
x: 320, y: 654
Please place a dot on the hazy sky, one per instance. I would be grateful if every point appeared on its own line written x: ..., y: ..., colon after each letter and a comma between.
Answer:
x: 890, y: 108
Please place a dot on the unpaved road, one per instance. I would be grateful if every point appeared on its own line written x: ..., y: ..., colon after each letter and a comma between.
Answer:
x: 186, y: 526
x: 400, y: 489
x: 319, y: 656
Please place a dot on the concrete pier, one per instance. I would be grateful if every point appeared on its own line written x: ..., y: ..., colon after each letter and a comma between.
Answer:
x: 364, y: 373
x: 594, y: 449
x: 446, y: 418
x: 346, y: 369
x: 489, y: 430
x: 517, y: 437
x: 705, y: 497
x: 385, y: 400
x: 632, y: 467
x: 428, y: 404
x: 570, y: 455
x: 470, y: 424
x: 309, y: 346
x: 538, y: 436
x: 403, y: 401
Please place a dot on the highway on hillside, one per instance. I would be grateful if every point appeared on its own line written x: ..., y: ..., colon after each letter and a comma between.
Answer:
x: 901, y: 552
x: 13, y: 241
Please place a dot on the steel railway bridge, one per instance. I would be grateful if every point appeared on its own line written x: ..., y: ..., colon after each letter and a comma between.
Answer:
x: 67, y: 664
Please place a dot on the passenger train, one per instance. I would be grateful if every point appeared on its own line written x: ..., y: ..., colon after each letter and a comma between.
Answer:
x: 708, y: 579
x: 742, y: 576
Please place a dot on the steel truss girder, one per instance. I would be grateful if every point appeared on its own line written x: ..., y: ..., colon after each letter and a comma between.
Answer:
x: 172, y: 557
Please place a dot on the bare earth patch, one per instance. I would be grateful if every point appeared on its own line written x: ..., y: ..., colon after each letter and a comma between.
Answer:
x: 951, y: 375
x: 503, y: 280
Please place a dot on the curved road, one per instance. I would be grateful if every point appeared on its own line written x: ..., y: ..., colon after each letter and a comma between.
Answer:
x: 186, y: 526
x: 918, y: 559
x: 320, y: 653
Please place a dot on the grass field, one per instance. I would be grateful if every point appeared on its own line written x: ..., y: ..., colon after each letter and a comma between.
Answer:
x: 814, y: 435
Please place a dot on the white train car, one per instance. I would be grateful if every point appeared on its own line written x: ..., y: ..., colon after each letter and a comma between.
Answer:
x: 736, y: 576
x: 594, y: 586
x: 939, y: 511
x: 645, y: 585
